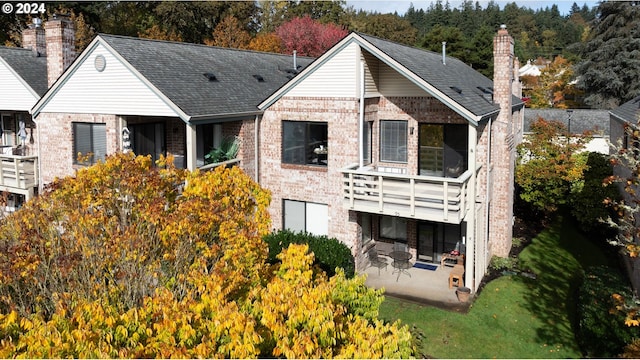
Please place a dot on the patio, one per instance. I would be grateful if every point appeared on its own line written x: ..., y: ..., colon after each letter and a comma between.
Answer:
x: 429, y: 287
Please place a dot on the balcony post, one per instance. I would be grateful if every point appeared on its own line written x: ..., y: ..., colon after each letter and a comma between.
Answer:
x: 445, y: 200
x: 351, y: 197
x: 380, y: 197
x: 412, y: 196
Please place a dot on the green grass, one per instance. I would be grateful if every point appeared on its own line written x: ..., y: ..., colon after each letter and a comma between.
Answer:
x: 513, y: 316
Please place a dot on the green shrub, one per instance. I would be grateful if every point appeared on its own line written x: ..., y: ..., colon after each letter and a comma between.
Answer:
x: 329, y: 253
x: 503, y: 263
x: 600, y: 332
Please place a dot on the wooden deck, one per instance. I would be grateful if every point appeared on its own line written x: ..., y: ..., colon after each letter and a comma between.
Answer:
x: 429, y: 198
x: 19, y: 174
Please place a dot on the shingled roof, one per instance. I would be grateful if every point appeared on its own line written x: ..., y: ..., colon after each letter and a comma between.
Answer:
x: 32, y: 69
x: 454, y: 78
x: 581, y: 119
x: 205, y: 81
x: 629, y: 111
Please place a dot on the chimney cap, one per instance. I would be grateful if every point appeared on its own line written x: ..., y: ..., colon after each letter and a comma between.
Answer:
x: 36, y: 22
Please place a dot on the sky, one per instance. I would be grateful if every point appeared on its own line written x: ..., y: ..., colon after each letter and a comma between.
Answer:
x: 401, y: 6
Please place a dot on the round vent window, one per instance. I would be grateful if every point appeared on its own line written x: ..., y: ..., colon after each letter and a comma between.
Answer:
x: 100, y: 63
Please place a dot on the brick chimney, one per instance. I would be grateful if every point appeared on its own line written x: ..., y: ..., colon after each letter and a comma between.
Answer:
x: 60, y: 39
x: 33, y: 38
x: 502, y: 145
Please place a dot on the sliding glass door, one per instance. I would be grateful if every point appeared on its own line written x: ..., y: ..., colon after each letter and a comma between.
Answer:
x: 443, y: 149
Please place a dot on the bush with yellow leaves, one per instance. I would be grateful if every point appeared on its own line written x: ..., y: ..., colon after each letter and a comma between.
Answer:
x: 133, y: 261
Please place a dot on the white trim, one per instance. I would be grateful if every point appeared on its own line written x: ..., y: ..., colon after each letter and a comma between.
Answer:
x: 51, y: 93
x: 355, y: 38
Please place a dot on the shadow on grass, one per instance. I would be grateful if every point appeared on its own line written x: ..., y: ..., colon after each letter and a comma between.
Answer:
x: 558, y: 256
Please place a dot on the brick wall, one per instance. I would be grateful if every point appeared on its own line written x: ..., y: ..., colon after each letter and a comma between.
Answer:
x: 60, y: 40
x: 34, y: 38
x: 503, y: 147
x: 323, y: 184
x: 55, y: 141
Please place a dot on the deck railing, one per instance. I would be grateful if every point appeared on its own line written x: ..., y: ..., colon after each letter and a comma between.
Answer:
x: 413, y: 196
x: 19, y: 174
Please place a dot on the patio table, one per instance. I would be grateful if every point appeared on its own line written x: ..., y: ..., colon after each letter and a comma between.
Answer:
x: 401, y: 262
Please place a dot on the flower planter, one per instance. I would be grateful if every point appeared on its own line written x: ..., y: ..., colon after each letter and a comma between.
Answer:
x: 463, y: 294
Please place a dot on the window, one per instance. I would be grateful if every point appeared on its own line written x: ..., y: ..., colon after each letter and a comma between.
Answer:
x: 90, y: 140
x: 443, y: 149
x: 367, y: 138
x: 209, y: 136
x: 367, y: 236
x: 300, y: 216
x: 8, y: 130
x: 393, y: 228
x: 393, y: 141
x: 304, y: 143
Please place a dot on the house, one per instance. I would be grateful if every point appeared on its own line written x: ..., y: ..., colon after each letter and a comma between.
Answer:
x: 577, y: 122
x: 624, y: 122
x: 155, y: 98
x: 372, y: 143
x: 376, y: 143
x: 25, y: 75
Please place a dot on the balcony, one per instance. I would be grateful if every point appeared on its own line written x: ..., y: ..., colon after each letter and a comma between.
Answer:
x: 431, y: 198
x: 19, y: 174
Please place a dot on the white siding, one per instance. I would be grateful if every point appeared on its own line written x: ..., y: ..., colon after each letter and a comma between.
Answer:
x: 338, y: 77
x: 116, y: 91
x: 372, y: 71
x: 14, y: 95
x: 392, y: 83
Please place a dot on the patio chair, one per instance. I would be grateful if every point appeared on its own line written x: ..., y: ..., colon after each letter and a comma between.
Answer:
x: 398, y: 246
x: 377, y: 261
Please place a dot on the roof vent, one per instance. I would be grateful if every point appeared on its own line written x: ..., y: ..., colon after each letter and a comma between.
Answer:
x: 456, y: 89
x: 259, y: 78
x: 210, y: 76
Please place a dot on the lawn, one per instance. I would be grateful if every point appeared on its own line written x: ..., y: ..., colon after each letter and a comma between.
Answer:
x: 513, y: 316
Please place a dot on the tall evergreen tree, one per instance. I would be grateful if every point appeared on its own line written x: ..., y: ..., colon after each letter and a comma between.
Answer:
x: 610, y: 71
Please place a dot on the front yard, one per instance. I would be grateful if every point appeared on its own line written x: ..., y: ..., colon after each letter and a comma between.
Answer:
x: 513, y: 316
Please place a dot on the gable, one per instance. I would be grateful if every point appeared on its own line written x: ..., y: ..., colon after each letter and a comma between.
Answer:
x: 115, y: 90
x: 15, y: 94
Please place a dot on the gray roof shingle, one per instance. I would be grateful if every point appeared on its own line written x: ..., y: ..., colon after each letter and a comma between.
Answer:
x: 581, y: 119
x: 455, y: 79
x: 178, y: 71
x: 32, y: 69
x: 629, y: 111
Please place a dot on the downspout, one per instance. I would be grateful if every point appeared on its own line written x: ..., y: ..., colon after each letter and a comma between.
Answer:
x: 256, y: 132
x: 487, y: 207
x: 361, y: 118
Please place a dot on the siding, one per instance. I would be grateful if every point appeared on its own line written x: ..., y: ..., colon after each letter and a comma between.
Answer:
x: 116, y: 90
x: 14, y: 95
x: 338, y: 77
x: 393, y: 83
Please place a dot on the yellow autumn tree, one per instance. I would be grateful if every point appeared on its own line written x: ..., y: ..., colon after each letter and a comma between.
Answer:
x: 269, y: 42
x: 131, y: 260
x: 158, y: 33
x: 230, y: 33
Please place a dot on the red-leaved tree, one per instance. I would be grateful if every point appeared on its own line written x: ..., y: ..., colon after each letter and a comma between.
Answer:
x: 309, y: 37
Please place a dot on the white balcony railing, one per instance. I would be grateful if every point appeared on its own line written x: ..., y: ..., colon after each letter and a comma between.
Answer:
x: 430, y: 198
x: 19, y: 174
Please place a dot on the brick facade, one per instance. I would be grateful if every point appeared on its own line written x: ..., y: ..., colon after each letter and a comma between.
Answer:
x: 55, y: 141
x: 60, y: 45
x: 323, y: 185
x: 503, y: 143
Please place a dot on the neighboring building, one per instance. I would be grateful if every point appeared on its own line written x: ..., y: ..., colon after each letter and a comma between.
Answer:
x: 377, y: 142
x: 25, y: 75
x: 577, y: 121
x: 156, y: 98
x: 627, y: 114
